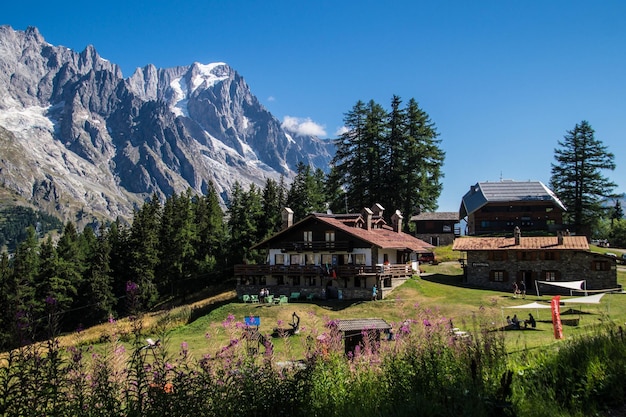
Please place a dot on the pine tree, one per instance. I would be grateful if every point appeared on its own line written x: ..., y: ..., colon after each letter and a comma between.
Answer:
x: 422, y: 162
x: 23, y: 306
x: 389, y: 158
x: 144, y: 250
x: 273, y: 199
x: 306, y: 194
x: 244, y: 213
x: 577, y: 177
x: 97, y: 291
x: 210, y: 237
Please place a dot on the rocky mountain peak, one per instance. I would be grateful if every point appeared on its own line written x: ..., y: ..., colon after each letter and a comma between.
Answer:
x: 78, y: 138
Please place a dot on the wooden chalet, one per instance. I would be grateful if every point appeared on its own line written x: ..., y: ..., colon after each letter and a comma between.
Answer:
x: 438, y: 228
x: 334, y: 256
x: 498, y: 262
x: 499, y: 207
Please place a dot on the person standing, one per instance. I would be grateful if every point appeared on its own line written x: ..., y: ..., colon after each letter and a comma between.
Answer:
x: 515, y: 289
x: 522, y: 288
x: 374, y: 292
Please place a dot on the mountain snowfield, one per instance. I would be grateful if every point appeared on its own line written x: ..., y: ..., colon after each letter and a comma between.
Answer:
x: 80, y: 141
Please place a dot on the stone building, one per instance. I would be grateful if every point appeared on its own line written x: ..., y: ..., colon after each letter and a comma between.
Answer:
x: 498, y: 262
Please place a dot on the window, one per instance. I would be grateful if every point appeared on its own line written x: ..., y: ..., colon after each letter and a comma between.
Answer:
x: 310, y: 259
x: 498, y: 276
x: 600, y: 266
x: 550, y: 275
x: 279, y: 259
x: 526, y: 256
x: 359, y: 259
x: 327, y: 259
x: 330, y: 239
x: 308, y: 239
x: 295, y: 259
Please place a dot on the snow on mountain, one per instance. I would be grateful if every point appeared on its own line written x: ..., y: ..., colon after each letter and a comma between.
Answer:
x: 77, y: 139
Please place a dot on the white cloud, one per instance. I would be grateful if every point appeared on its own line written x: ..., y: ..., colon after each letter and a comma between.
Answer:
x: 340, y: 131
x: 271, y: 99
x: 301, y: 126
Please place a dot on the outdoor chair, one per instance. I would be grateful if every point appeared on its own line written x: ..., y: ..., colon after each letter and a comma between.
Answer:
x: 269, y: 299
x: 294, y: 296
x: 254, y: 298
x: 246, y: 298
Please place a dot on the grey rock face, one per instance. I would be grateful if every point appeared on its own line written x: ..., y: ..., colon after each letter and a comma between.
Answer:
x: 79, y: 137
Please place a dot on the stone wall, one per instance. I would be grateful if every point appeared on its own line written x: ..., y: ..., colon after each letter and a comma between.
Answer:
x: 572, y: 265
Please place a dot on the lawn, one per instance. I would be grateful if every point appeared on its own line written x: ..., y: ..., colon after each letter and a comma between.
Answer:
x: 439, y: 294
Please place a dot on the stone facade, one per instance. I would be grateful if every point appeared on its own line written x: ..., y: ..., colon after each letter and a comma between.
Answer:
x: 599, y: 271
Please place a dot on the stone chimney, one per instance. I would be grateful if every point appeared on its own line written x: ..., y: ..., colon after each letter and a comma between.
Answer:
x: 396, y: 219
x: 378, y: 210
x: 517, y: 234
x: 287, y: 216
x: 367, y: 218
x: 559, y: 237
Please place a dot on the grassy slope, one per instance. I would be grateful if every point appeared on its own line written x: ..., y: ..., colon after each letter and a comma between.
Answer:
x: 439, y: 293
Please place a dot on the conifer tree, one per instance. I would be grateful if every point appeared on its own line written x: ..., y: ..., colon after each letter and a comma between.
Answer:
x: 306, y: 194
x: 144, y: 250
x: 210, y: 237
x: 23, y: 306
x: 244, y: 213
x: 273, y: 200
x: 577, y: 177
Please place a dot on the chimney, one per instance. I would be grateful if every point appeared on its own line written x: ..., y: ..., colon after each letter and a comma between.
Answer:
x: 378, y: 210
x: 559, y: 237
x: 287, y: 216
x: 517, y: 234
x: 396, y: 219
x: 367, y: 217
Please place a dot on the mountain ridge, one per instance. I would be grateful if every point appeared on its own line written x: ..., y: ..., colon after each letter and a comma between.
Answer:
x: 81, y: 141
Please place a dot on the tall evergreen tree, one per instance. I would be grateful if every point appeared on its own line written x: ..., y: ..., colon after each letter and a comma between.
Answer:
x: 577, y: 176
x: 349, y: 165
x: 273, y: 200
x: 23, y: 307
x: 144, y: 250
x: 389, y: 158
x: 118, y: 237
x: 243, y: 220
x: 422, y: 162
x: 210, y: 237
x: 97, y: 290
x: 306, y: 194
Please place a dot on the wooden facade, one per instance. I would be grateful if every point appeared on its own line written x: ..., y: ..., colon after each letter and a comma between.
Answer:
x: 500, y: 207
x: 334, y: 256
x: 438, y: 228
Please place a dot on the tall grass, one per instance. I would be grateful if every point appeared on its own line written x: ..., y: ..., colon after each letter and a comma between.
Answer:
x: 426, y: 370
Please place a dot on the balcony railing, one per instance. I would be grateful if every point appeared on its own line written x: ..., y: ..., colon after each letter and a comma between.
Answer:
x: 317, y: 246
x: 342, y: 271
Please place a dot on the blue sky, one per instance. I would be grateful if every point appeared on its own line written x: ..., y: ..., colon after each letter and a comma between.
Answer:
x: 503, y: 81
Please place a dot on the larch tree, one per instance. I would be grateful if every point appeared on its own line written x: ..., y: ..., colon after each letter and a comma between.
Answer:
x: 577, y: 177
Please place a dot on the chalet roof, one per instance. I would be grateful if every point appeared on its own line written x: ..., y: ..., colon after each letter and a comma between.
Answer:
x: 439, y: 216
x: 381, y: 236
x: 347, y: 325
x: 526, y: 243
x: 506, y: 191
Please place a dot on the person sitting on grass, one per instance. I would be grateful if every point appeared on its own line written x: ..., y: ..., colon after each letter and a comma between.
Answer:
x: 531, y: 321
x: 516, y: 323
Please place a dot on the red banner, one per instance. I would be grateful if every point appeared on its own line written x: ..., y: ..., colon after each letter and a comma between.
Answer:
x: 556, y: 317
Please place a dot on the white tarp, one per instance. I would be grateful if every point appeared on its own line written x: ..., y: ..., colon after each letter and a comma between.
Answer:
x: 531, y: 305
x: 574, y: 285
x: 590, y: 299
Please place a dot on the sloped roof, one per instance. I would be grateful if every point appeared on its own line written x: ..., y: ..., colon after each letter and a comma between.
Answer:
x: 347, y: 325
x: 526, y: 243
x: 384, y: 237
x: 506, y: 191
x: 439, y: 215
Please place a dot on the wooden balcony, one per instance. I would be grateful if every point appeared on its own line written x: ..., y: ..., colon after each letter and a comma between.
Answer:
x: 341, y: 271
